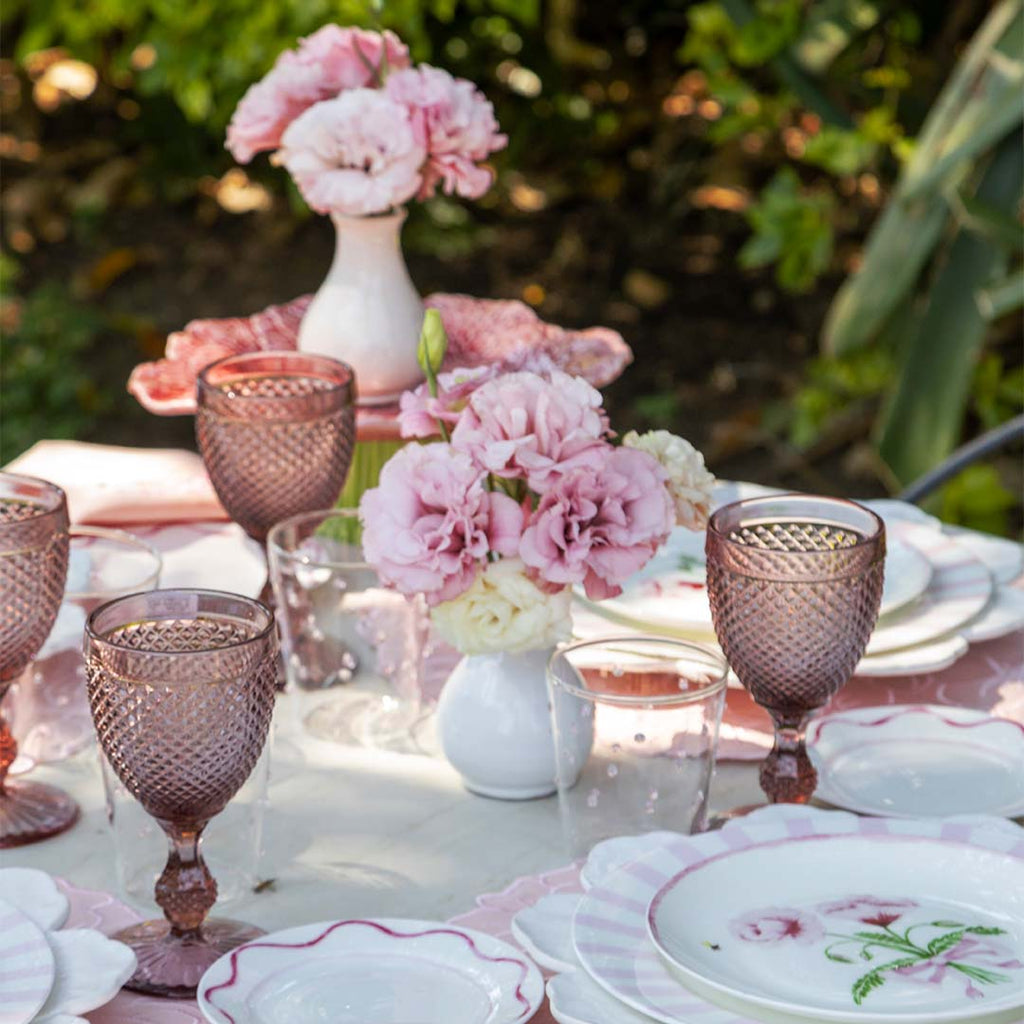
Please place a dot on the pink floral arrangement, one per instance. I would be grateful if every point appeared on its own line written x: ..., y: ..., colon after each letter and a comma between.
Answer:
x: 525, y: 497
x: 362, y: 131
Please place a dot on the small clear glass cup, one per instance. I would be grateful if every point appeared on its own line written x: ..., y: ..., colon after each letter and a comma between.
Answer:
x: 48, y: 707
x: 654, y: 706
x: 342, y: 628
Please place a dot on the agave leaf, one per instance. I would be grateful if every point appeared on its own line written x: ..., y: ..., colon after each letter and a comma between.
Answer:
x: 923, y: 421
x: 906, y: 233
x: 999, y: 226
x: 1005, y: 296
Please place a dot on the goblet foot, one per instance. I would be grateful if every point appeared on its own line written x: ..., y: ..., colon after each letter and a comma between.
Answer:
x: 171, y: 965
x: 30, y: 811
x: 787, y: 775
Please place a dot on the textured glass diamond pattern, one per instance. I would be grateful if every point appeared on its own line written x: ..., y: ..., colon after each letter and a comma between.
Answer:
x: 275, y: 446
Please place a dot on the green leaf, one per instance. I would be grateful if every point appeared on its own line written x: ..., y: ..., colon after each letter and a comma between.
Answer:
x: 866, y: 984
x: 922, y: 423
x: 978, y: 929
x: 943, y: 942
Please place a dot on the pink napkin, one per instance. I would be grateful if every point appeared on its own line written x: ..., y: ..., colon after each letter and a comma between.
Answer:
x: 110, y: 484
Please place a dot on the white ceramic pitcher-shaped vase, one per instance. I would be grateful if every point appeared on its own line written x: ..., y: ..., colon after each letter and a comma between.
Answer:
x: 367, y: 312
x: 494, y: 724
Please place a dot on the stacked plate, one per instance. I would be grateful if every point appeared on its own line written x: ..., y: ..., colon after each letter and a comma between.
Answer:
x: 793, y: 915
x: 48, y: 975
x: 944, y: 589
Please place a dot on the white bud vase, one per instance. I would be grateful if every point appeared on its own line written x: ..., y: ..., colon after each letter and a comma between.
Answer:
x: 494, y: 724
x: 367, y: 312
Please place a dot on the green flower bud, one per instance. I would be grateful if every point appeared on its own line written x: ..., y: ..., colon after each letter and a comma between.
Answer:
x: 433, y: 344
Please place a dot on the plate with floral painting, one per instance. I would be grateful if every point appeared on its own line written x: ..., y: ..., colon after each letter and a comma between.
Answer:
x: 850, y: 929
x: 737, y: 955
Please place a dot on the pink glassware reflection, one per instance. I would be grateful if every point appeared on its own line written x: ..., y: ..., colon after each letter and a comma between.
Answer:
x: 276, y: 432
x: 795, y: 584
x: 181, y: 689
x: 33, y: 568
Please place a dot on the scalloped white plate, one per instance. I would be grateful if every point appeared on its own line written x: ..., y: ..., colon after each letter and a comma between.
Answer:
x: 27, y: 966
x: 380, y: 970
x: 919, y: 760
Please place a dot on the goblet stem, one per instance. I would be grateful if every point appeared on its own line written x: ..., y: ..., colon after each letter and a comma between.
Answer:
x: 8, y: 749
x: 186, y: 890
x: 787, y: 775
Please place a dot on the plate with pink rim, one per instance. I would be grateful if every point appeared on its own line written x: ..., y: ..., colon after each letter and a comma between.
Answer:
x: 854, y: 929
x: 611, y: 939
x: 919, y: 760
x: 385, y: 970
x: 26, y: 966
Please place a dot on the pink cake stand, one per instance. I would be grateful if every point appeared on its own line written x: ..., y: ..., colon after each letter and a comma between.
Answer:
x: 480, y: 332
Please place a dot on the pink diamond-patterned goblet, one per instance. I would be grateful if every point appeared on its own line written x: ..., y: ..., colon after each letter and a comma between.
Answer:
x: 276, y: 432
x: 795, y: 583
x: 181, y: 689
x: 33, y: 569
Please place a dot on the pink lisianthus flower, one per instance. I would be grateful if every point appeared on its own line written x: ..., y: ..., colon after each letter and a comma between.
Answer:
x: 774, y: 924
x: 868, y: 909
x: 421, y: 411
x: 522, y: 426
x: 455, y: 123
x: 429, y: 525
x: 597, y: 526
x: 354, y: 155
x: 324, y: 64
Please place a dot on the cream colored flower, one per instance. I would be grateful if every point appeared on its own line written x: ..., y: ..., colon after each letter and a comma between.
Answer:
x: 504, y: 610
x: 689, y: 481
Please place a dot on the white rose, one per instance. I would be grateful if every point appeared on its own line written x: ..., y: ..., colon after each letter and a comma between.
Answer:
x: 504, y: 611
x: 689, y: 482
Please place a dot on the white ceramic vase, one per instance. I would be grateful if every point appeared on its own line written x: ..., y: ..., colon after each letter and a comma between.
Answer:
x: 367, y: 312
x: 494, y: 724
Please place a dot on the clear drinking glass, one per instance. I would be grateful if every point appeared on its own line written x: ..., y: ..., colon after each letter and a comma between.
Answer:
x: 795, y: 583
x: 654, y: 707
x: 340, y: 627
x: 33, y: 568
x: 181, y: 688
x: 48, y: 707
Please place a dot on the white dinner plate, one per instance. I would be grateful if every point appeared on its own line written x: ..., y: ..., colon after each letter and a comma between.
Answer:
x: 670, y: 593
x: 960, y: 588
x: 380, y: 970
x: 213, y: 556
x: 919, y: 761
x: 609, y: 928
x: 26, y: 966
x: 850, y: 930
x: 36, y: 895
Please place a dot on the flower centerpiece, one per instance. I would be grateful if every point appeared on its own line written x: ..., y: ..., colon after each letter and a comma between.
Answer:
x: 363, y: 132
x: 525, y: 496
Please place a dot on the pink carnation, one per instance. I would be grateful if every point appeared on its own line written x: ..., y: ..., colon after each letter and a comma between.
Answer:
x: 524, y: 426
x: 430, y: 524
x: 421, y: 411
x: 599, y: 526
x: 456, y: 125
x: 324, y: 64
x: 354, y: 155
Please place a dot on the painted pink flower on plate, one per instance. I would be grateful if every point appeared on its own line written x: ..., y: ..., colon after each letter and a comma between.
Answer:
x: 775, y: 924
x: 600, y: 523
x: 355, y: 155
x: 324, y: 64
x: 429, y: 524
x: 525, y: 427
x: 868, y: 909
x: 421, y: 411
x: 455, y: 123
